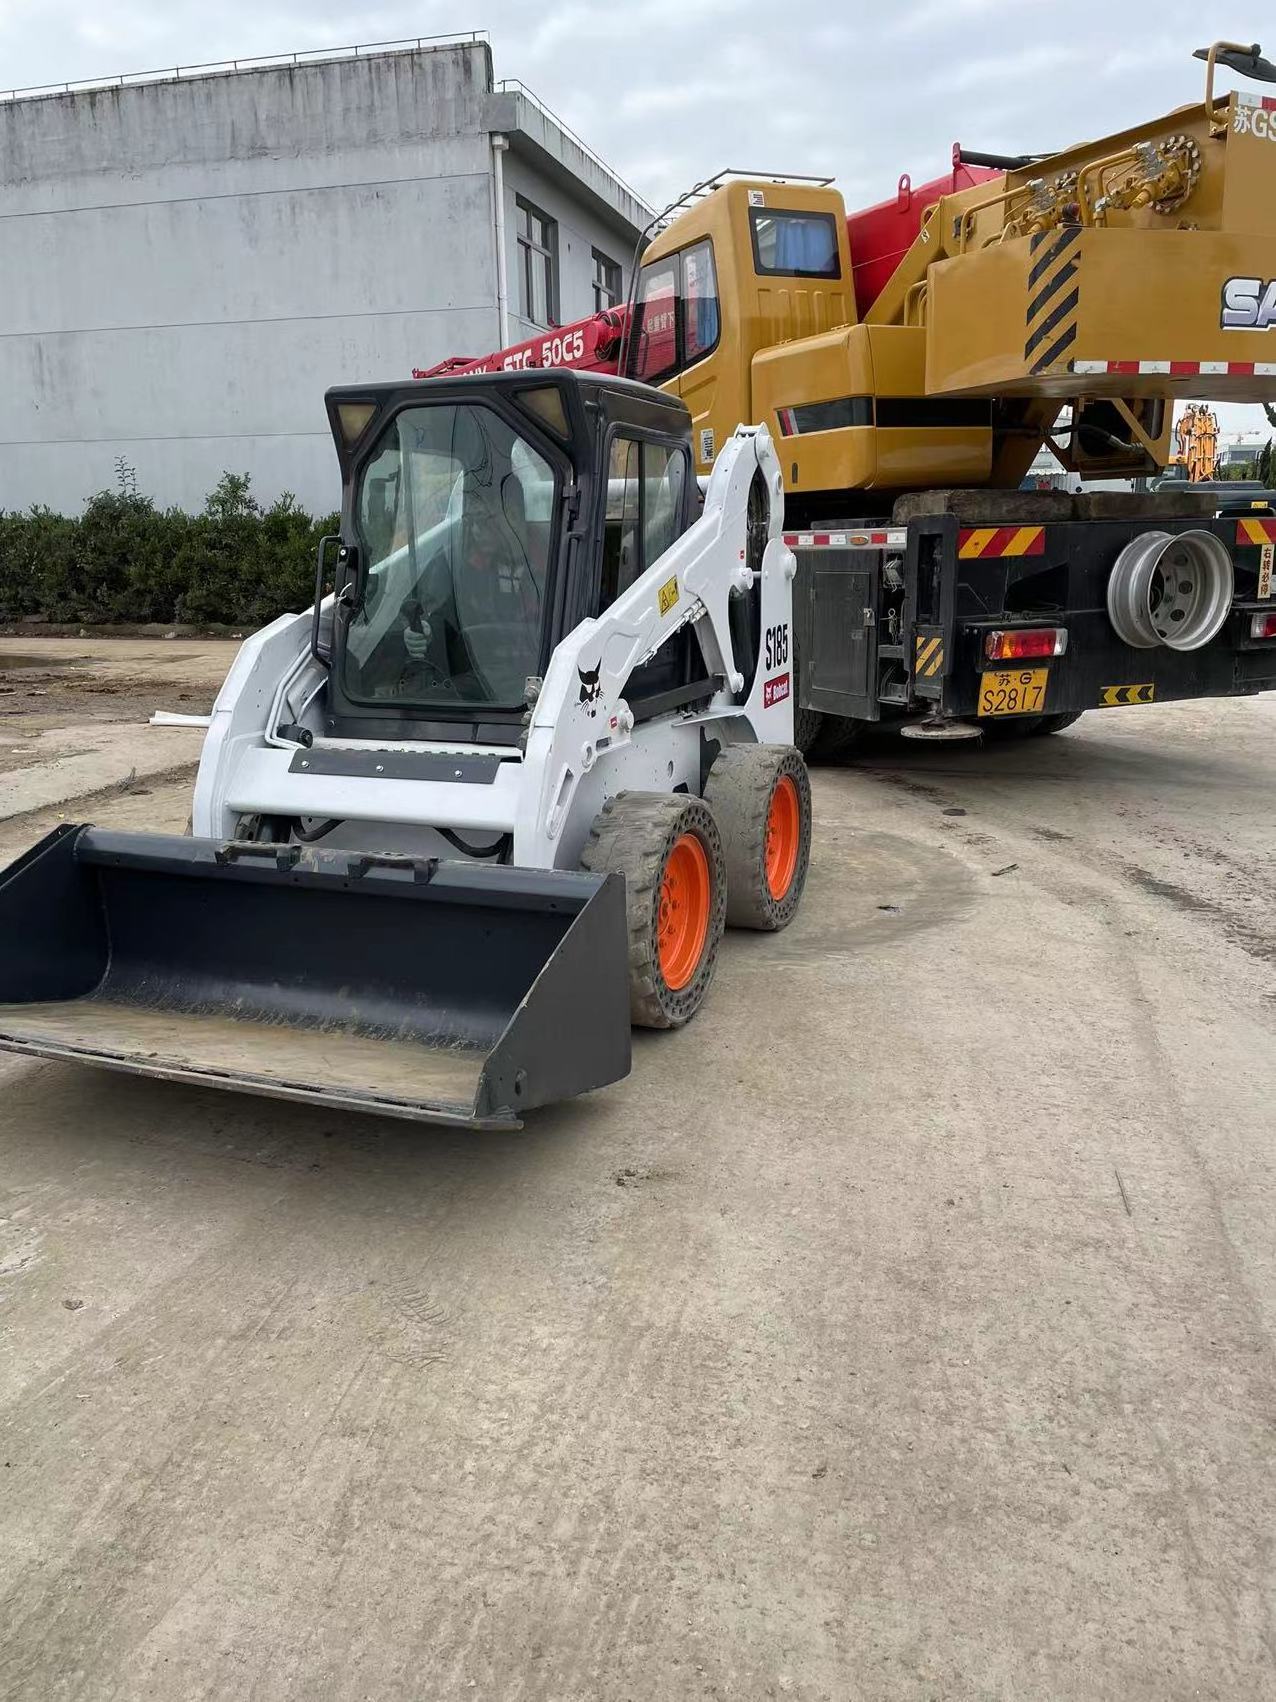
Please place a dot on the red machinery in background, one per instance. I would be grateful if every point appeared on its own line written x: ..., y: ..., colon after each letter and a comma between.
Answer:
x: 882, y: 234
x: 589, y: 345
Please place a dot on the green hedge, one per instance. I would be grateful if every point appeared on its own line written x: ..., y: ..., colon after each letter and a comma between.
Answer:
x: 126, y: 561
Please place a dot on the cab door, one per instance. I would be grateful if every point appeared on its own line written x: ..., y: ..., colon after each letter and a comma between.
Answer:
x: 701, y: 327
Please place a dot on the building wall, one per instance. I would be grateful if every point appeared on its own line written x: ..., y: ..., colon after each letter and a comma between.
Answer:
x: 580, y: 231
x: 186, y: 266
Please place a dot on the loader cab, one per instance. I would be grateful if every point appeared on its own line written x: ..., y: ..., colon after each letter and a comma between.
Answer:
x: 483, y: 517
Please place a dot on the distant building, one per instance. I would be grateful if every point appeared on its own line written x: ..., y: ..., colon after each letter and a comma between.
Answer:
x: 189, y: 261
x: 1240, y: 448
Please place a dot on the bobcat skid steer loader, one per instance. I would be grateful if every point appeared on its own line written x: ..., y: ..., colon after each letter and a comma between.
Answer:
x: 486, y: 804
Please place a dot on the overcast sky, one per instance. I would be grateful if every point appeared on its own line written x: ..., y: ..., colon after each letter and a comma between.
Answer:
x: 669, y: 91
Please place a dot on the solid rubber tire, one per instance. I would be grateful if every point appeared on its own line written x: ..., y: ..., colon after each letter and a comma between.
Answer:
x: 738, y: 791
x: 633, y: 836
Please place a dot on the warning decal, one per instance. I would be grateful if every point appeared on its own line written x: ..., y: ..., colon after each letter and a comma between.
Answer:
x: 1112, y: 697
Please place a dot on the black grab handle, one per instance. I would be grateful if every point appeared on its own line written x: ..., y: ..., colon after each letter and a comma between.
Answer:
x: 285, y: 856
x: 423, y: 868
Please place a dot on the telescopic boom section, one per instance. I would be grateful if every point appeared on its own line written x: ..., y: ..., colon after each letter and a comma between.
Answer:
x: 595, y: 344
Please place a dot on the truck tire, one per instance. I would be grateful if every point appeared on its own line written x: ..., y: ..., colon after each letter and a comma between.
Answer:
x: 670, y: 852
x: 824, y: 738
x: 1054, y: 723
x: 808, y: 724
x: 1030, y: 726
x: 840, y: 735
x: 760, y: 796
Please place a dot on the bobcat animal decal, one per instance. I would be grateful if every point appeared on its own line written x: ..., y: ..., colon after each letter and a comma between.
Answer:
x: 590, y: 688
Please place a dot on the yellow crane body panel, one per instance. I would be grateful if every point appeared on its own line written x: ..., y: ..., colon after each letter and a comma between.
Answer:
x: 1130, y: 313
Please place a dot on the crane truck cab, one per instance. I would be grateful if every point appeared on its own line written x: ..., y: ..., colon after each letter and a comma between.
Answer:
x: 746, y: 309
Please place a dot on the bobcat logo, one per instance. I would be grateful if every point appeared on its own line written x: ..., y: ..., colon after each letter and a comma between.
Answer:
x: 590, y: 689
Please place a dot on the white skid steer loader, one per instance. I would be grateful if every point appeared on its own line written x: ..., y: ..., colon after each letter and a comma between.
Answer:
x: 490, y: 801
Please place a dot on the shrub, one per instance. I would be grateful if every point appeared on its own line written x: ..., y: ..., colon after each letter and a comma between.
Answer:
x: 125, y: 560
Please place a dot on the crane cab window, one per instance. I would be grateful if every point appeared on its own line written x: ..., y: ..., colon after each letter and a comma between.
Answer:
x: 794, y: 245
x: 646, y: 483
x: 699, y: 303
x: 679, y: 318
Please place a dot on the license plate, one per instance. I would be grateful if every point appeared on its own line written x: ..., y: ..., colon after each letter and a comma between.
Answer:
x: 1013, y: 692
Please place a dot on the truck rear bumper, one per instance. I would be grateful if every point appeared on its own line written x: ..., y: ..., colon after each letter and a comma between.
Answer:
x: 1064, y: 586
x: 898, y: 621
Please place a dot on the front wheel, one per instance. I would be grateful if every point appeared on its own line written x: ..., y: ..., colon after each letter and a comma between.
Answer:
x: 670, y: 852
x: 760, y: 796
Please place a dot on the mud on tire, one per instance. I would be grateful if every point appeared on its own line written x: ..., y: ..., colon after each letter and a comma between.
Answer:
x: 664, y: 846
x: 760, y: 796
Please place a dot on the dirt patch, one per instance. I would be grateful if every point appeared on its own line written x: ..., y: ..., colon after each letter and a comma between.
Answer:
x: 25, y: 659
x: 47, y: 681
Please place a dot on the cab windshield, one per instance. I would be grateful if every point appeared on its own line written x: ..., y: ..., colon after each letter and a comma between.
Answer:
x: 455, y: 516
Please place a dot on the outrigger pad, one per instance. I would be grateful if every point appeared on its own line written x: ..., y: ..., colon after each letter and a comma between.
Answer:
x: 453, y: 992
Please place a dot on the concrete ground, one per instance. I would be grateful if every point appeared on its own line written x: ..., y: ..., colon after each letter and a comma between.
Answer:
x: 901, y: 1329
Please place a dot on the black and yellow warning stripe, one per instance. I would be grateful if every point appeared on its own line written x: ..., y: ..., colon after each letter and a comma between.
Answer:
x: 1115, y: 697
x: 928, y: 658
x: 1053, y: 295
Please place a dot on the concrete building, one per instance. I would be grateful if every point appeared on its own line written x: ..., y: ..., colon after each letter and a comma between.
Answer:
x: 186, y: 263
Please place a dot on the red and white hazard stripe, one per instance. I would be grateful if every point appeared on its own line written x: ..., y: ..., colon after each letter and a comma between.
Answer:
x: 1179, y: 368
x: 892, y: 538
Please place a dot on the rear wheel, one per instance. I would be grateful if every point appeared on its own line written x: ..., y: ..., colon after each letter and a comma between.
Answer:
x: 821, y: 737
x: 760, y: 796
x: 840, y: 735
x: 1030, y: 726
x: 670, y: 853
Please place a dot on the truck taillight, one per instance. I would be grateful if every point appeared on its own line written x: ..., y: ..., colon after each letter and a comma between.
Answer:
x: 1262, y: 626
x: 1028, y: 641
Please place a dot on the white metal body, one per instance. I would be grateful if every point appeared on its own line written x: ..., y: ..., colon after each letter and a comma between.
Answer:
x: 582, y: 744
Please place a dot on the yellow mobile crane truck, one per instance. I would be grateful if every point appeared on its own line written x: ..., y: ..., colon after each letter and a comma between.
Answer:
x: 912, y: 359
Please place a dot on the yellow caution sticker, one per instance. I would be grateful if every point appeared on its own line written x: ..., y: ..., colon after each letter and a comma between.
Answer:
x: 1112, y: 697
x: 929, y: 657
x: 668, y: 595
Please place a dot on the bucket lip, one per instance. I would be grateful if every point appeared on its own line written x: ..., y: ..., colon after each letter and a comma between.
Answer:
x: 457, y: 879
x: 456, y: 1114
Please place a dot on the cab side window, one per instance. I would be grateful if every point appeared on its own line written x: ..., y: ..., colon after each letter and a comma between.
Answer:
x: 622, y: 533
x: 656, y: 343
x: 700, y: 303
x: 679, y: 318
x: 664, y: 477
x: 646, y: 483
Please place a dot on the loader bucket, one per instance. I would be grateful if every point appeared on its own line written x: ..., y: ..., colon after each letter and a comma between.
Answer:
x: 453, y: 992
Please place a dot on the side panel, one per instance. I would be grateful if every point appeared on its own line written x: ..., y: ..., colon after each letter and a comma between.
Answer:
x: 1032, y: 315
x: 836, y: 602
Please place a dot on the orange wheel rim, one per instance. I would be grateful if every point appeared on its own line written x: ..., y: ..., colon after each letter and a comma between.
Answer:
x: 682, y: 918
x: 783, y: 837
